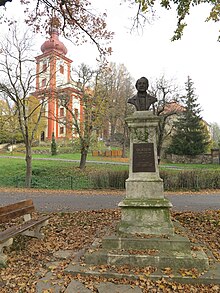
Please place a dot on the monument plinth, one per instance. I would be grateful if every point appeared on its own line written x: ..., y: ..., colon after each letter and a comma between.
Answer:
x: 144, y: 209
x: 145, y: 224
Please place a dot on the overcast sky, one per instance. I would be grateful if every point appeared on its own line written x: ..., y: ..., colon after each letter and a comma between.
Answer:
x: 152, y: 54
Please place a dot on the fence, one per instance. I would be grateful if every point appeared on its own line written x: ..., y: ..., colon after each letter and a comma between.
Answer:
x: 109, y: 153
x: 212, y: 158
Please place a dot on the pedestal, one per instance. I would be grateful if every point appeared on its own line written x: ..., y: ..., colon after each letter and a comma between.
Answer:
x: 145, y: 235
x: 144, y: 209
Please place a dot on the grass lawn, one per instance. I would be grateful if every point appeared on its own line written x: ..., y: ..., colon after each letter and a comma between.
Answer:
x: 73, y: 156
x: 58, y: 174
x: 51, y: 174
x: 76, y: 156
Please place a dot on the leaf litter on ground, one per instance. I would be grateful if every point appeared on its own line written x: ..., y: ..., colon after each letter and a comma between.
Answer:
x: 101, y: 191
x: 28, y: 257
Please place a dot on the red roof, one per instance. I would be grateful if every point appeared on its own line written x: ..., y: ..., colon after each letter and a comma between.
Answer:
x: 54, y: 44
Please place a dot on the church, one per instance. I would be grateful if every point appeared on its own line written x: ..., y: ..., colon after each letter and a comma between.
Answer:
x: 54, y: 83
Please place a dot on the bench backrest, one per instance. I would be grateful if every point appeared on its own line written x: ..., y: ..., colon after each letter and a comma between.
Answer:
x: 15, y: 210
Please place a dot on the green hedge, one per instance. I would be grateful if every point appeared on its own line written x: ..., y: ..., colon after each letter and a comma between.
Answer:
x: 173, y: 180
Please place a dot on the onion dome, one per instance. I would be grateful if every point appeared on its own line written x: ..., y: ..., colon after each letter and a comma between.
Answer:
x: 54, y: 43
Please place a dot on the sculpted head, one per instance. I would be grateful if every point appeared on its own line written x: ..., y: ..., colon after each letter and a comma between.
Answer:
x: 142, y: 84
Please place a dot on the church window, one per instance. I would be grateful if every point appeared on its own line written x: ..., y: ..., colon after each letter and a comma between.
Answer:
x: 61, y: 69
x: 76, y: 113
x: 44, y: 67
x: 61, y: 112
x: 43, y: 83
x: 61, y: 130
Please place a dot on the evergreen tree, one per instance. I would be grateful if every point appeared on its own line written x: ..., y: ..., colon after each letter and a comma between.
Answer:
x: 191, y: 135
x: 53, y: 145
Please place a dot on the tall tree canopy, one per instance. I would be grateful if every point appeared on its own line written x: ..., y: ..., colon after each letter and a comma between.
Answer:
x: 116, y: 85
x: 93, y: 108
x: 215, y: 133
x: 9, y: 125
x: 167, y: 108
x: 191, y: 135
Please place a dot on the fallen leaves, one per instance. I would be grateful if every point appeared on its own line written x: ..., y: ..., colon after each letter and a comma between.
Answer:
x: 28, y: 259
x: 203, y: 228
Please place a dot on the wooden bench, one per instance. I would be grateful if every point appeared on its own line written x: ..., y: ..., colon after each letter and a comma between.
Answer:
x: 29, y: 227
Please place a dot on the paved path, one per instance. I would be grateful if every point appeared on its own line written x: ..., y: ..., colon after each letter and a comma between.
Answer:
x: 67, y: 160
x: 46, y: 201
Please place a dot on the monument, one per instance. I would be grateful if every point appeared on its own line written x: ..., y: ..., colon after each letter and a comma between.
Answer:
x: 146, y: 234
x: 144, y: 210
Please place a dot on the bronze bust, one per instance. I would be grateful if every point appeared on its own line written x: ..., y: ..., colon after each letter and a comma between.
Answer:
x: 142, y: 100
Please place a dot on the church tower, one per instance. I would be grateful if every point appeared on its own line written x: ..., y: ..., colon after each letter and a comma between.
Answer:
x: 53, y: 82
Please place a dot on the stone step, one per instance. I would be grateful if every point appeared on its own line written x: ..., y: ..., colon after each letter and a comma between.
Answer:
x: 175, y: 260
x: 212, y: 276
x: 172, y: 244
x: 107, y: 287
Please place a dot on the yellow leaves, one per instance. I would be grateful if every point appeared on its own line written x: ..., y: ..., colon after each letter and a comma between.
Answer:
x: 59, y: 276
x: 215, y: 288
x: 168, y: 271
x: 103, y: 269
x: 176, y: 287
x: 21, y: 285
x: 193, y: 273
x: 142, y: 278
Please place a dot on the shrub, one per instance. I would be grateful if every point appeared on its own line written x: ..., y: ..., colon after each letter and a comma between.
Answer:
x: 109, y: 179
x: 190, y: 180
x: 53, y: 146
x: 173, y: 181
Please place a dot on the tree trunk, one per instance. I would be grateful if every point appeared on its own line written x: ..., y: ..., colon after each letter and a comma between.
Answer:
x: 112, y: 128
x: 161, y: 130
x: 28, y: 159
x: 124, y: 142
x: 82, y: 164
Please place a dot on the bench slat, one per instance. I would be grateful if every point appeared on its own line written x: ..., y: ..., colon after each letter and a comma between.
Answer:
x: 13, y: 231
x: 14, y: 214
x: 16, y: 206
x: 16, y: 209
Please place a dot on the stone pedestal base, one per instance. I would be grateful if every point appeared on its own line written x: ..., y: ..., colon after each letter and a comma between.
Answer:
x: 143, y: 188
x: 146, y: 216
x: 174, y: 252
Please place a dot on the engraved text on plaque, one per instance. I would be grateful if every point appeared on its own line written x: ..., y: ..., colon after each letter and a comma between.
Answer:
x: 143, y: 157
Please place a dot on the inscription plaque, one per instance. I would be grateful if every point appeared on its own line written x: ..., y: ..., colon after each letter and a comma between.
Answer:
x: 143, y: 157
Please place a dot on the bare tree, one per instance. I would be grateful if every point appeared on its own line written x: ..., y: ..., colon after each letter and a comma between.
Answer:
x: 117, y: 86
x: 93, y: 108
x: 167, y: 108
x: 215, y: 134
x: 17, y: 70
x: 78, y: 21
